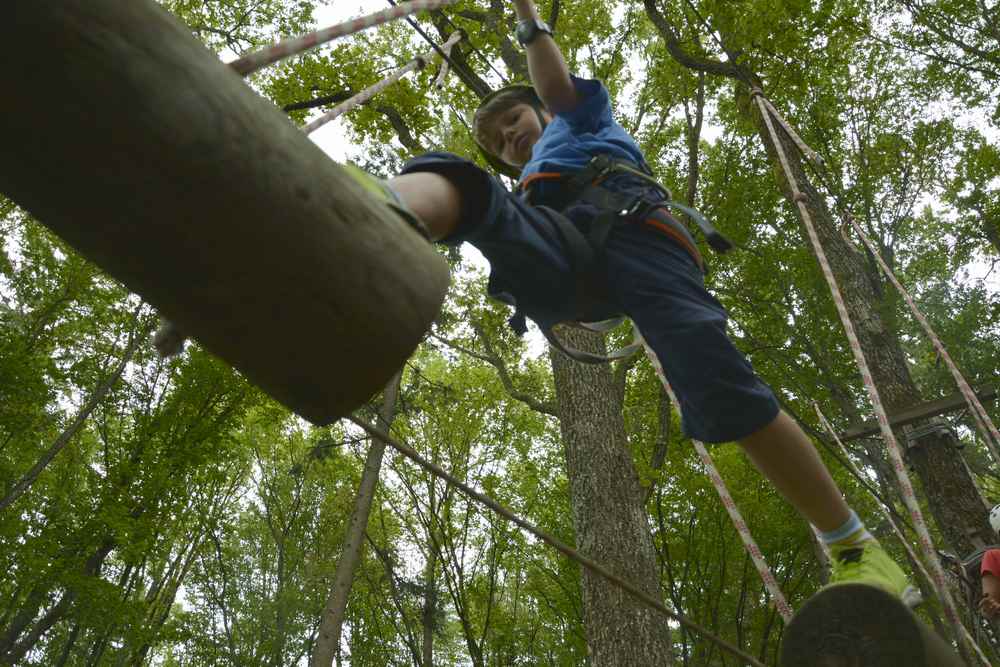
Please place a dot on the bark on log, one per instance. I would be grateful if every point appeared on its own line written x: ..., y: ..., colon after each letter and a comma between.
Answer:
x: 157, y: 162
x: 855, y: 624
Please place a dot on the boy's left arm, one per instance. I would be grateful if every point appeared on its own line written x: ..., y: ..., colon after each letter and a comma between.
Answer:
x: 546, y: 66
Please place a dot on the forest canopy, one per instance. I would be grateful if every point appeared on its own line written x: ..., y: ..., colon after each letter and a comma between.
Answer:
x: 167, y: 512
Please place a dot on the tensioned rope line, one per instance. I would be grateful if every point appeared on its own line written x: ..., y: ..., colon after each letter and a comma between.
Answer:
x: 289, y: 47
x: 371, y: 91
x: 756, y: 555
x: 987, y: 428
x: 473, y: 48
x: 447, y: 57
x: 553, y: 542
x: 894, y: 450
x: 986, y: 425
x: 895, y: 527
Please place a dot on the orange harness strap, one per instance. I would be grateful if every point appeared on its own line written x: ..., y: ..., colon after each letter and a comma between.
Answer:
x: 684, y: 242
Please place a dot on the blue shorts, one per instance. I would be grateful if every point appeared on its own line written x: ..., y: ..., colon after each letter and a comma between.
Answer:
x: 645, y: 274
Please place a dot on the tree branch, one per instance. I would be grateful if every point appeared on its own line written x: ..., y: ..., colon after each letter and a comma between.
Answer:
x: 402, y: 129
x: 554, y: 14
x: 672, y: 41
x: 493, y: 359
x: 334, y: 98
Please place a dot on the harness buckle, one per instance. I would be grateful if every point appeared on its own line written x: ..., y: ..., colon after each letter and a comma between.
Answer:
x: 637, y: 210
x: 602, y: 166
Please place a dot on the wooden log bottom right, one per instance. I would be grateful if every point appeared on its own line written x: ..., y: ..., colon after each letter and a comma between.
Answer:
x: 856, y: 625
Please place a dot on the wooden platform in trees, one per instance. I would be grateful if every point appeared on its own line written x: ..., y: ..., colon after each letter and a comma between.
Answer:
x: 930, y: 409
x: 131, y: 141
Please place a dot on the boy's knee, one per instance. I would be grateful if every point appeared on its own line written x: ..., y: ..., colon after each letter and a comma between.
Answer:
x: 466, y: 175
x: 480, y: 192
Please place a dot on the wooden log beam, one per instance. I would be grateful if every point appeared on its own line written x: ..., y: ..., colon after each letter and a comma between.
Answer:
x: 930, y: 409
x: 132, y: 142
x: 856, y: 625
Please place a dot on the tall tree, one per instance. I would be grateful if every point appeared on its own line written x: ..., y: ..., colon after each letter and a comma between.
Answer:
x: 954, y: 499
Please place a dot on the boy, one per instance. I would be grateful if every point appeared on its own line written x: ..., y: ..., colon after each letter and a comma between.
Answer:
x: 647, y: 268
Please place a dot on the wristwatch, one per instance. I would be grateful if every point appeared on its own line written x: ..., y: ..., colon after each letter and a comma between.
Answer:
x: 528, y: 30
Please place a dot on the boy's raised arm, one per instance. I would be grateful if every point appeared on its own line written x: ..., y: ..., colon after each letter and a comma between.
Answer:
x: 546, y: 65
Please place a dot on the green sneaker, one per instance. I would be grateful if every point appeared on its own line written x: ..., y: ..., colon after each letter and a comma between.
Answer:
x: 870, y: 564
x: 381, y: 190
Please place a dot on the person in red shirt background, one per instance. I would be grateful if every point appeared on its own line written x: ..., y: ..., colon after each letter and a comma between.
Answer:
x: 989, y: 572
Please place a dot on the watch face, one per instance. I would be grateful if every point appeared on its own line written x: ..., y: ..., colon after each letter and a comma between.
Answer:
x: 525, y: 31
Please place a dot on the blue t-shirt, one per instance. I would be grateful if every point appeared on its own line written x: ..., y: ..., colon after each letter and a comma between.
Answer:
x: 572, y: 138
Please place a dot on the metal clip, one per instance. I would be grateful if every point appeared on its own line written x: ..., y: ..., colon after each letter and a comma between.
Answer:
x: 603, y: 165
x: 636, y: 209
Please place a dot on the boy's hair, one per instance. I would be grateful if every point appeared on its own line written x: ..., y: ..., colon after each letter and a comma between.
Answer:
x: 492, y: 106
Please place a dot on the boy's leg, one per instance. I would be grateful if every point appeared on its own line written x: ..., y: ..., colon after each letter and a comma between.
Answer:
x: 783, y: 454
x: 443, y: 192
x: 432, y: 198
x: 661, y: 289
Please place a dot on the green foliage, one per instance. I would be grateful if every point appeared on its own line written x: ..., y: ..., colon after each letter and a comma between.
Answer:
x: 191, y: 521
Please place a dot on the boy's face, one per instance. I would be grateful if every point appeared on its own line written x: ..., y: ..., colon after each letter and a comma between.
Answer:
x: 515, y: 132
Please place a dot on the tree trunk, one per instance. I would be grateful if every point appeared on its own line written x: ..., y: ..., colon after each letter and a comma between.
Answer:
x: 430, y: 587
x: 991, y: 230
x: 64, y: 438
x: 608, y: 514
x: 91, y: 569
x: 68, y: 647
x: 332, y: 622
x: 955, y: 502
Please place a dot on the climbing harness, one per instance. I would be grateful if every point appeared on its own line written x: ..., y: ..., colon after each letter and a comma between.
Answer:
x: 589, y: 186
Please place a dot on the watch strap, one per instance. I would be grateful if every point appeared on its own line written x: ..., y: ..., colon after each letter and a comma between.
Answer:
x: 529, y: 29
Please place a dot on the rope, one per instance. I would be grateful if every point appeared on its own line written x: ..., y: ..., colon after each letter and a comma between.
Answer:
x: 756, y: 555
x: 895, y: 453
x: 289, y: 47
x: 445, y: 56
x: 553, y: 542
x: 445, y: 62
x: 983, y: 421
x: 472, y: 47
x: 895, y: 527
x: 987, y: 428
x: 371, y: 91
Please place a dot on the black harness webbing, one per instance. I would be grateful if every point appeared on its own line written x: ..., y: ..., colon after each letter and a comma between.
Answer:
x: 614, y: 208
x: 585, y: 185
